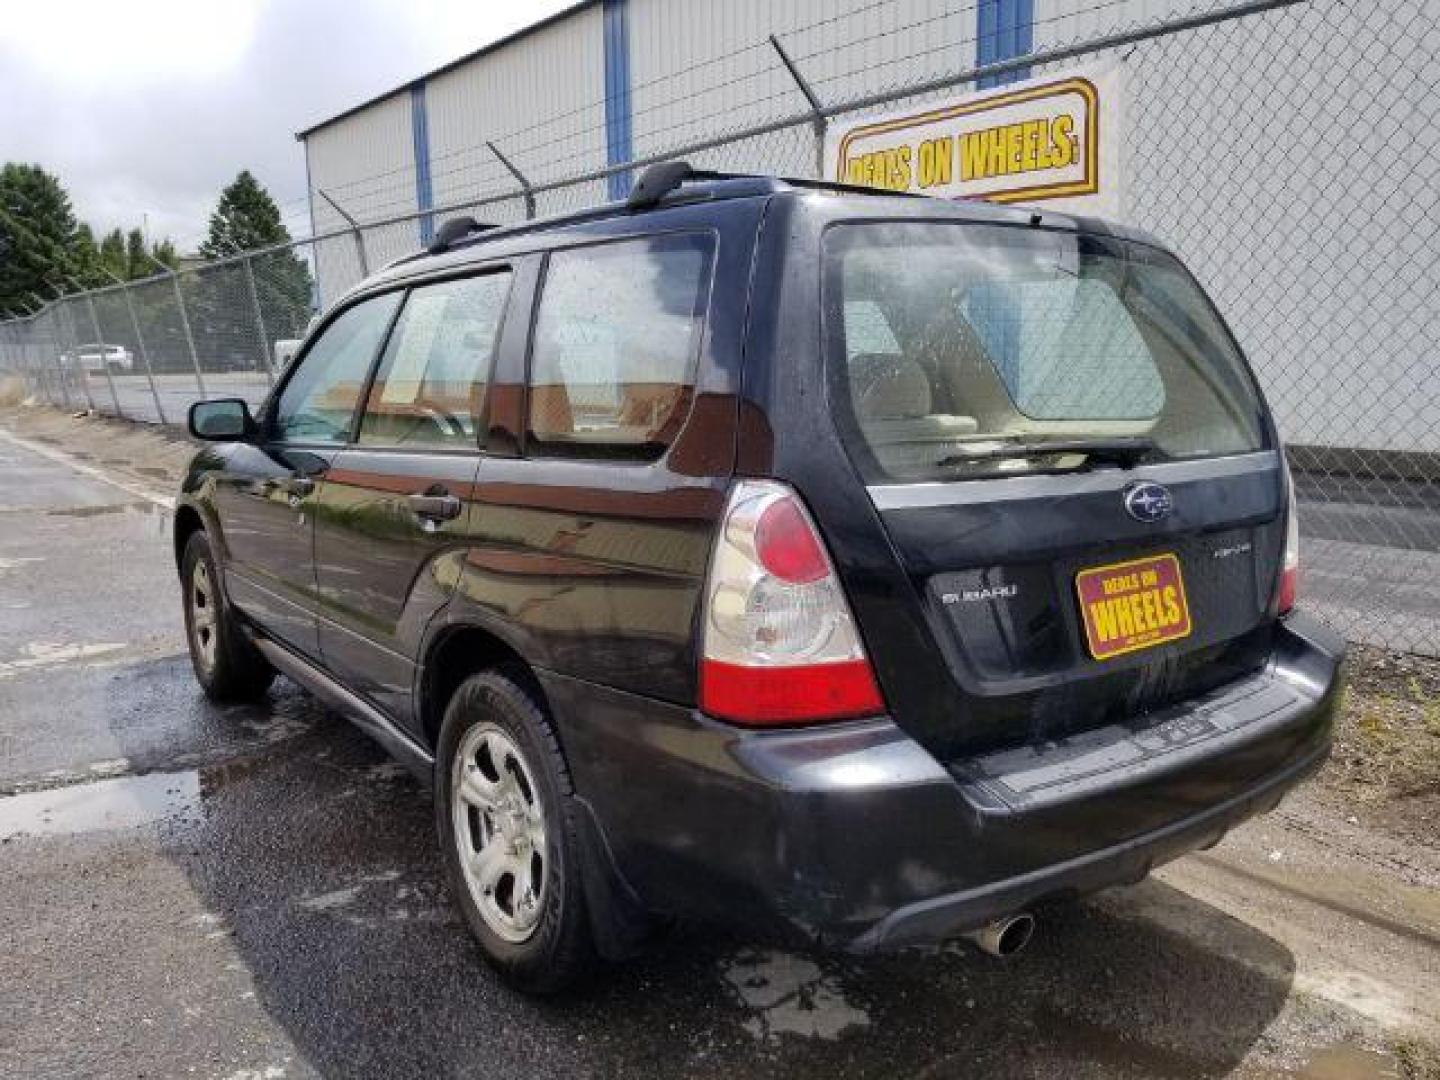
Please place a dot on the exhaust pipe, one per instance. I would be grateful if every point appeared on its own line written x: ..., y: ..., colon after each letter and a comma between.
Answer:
x: 1004, y: 937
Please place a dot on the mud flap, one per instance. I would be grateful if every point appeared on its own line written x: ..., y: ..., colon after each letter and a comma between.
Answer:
x: 619, y: 920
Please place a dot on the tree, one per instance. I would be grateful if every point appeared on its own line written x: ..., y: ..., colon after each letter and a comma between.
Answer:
x: 38, y: 234
x: 163, y: 252
x: 84, y: 259
x: 113, y: 258
x: 245, y: 219
x: 136, y: 264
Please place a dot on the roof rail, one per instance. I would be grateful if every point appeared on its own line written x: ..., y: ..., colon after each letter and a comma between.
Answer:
x: 455, y: 230
x: 658, y: 181
x: 653, y: 185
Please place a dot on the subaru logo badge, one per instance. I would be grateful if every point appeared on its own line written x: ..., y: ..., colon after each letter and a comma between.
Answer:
x: 1148, y: 502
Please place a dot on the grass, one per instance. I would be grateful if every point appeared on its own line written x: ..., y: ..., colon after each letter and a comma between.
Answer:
x: 1387, y: 742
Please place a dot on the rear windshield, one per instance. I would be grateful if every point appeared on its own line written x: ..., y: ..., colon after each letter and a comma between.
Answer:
x: 959, y: 350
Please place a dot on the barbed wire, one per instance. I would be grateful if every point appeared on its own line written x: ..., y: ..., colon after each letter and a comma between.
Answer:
x: 366, y: 196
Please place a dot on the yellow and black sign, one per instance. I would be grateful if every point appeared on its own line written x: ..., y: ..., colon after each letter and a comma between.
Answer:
x: 1039, y: 140
x: 1132, y: 605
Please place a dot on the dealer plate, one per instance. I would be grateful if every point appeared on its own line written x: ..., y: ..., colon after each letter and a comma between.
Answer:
x: 1132, y: 605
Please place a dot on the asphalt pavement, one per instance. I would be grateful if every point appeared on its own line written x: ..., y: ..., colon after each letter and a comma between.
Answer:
x: 251, y: 892
x: 165, y: 398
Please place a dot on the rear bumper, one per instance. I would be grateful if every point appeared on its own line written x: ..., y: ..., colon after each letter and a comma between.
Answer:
x: 855, y: 836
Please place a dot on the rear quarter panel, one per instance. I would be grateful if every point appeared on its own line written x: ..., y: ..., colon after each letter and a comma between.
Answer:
x: 591, y: 568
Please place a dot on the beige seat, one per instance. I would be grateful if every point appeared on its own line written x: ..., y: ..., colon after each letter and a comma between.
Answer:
x: 888, y: 387
x: 892, y: 398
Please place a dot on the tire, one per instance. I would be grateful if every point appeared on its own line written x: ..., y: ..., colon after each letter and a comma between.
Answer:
x: 498, y: 735
x: 227, y: 666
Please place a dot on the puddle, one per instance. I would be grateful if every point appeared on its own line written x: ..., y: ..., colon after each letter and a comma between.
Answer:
x: 122, y: 803
x: 1346, y: 1062
x: 97, y: 511
x: 43, y: 654
x: 790, y: 995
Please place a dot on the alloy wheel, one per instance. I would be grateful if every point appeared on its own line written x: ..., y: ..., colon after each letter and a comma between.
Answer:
x: 499, y: 828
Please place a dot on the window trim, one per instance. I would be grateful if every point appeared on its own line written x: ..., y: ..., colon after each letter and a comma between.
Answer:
x: 525, y: 436
x: 482, y: 422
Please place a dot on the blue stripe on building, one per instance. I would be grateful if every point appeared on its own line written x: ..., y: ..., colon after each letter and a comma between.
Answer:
x: 617, y: 94
x: 1006, y: 30
x: 420, y: 134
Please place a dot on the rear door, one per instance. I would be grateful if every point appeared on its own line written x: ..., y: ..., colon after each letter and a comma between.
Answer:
x: 394, y: 506
x: 1071, y: 464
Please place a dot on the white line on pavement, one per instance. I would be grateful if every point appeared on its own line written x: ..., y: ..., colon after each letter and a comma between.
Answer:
x: 62, y: 458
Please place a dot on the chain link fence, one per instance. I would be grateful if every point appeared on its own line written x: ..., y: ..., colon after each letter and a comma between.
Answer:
x: 1289, y: 150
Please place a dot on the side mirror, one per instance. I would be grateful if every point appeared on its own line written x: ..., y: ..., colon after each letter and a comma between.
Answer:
x: 222, y: 420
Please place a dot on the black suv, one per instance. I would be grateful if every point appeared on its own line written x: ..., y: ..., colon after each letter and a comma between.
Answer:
x: 859, y: 567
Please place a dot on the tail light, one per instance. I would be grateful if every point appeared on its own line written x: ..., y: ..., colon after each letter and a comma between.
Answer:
x: 778, y: 642
x: 1286, y: 591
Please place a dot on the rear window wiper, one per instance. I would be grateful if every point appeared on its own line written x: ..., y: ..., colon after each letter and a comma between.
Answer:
x: 1124, y: 452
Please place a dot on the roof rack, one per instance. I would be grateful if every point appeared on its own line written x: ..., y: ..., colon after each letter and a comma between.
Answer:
x: 455, y: 230
x: 653, y: 185
x: 658, y: 181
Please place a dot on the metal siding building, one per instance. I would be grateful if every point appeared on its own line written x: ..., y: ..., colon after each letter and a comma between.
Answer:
x: 539, y: 100
x: 367, y: 165
x: 605, y: 81
x: 1211, y: 134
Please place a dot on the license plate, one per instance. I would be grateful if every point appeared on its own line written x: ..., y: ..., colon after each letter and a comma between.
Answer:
x: 1132, y: 605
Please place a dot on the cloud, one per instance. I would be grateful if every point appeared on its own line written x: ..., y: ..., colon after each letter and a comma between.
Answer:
x: 149, y: 107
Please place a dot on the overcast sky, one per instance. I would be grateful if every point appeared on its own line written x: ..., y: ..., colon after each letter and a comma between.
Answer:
x: 149, y: 107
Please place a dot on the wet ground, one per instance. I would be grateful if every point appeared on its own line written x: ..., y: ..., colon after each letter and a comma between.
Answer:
x: 253, y: 892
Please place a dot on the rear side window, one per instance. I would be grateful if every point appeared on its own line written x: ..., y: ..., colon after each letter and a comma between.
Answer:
x: 430, y: 389
x: 612, y: 366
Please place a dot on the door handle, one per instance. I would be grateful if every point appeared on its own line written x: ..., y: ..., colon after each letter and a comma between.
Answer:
x: 435, y: 507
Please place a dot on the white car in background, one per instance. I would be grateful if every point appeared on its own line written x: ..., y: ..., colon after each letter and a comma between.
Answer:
x: 100, y: 358
x: 286, y: 348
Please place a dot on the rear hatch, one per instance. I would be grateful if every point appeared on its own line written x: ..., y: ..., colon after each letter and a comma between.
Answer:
x: 1072, y: 464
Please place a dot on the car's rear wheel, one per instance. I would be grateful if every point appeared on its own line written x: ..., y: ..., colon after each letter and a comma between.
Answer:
x: 227, y: 665
x: 510, y: 836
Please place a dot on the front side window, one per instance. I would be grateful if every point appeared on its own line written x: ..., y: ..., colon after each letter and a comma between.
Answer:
x: 613, y: 360
x: 430, y: 388
x: 963, y: 349
x: 318, y: 402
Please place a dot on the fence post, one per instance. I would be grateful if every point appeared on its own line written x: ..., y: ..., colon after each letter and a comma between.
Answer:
x: 100, y: 341
x: 184, y: 325
x: 525, y: 187
x: 41, y: 314
x: 355, y: 231
x: 62, y: 311
x: 817, y: 111
x: 58, y: 349
x: 259, y: 320
x: 140, y: 346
